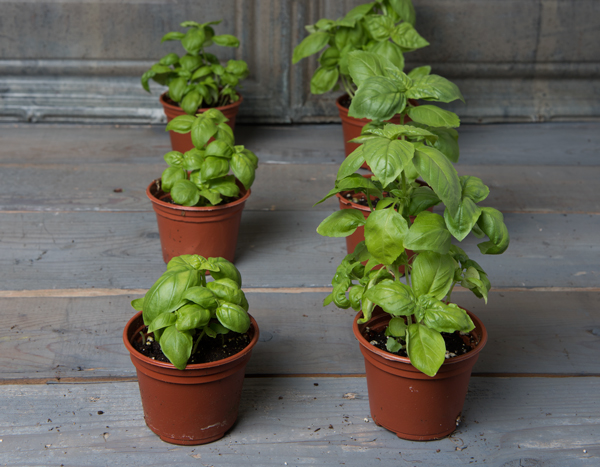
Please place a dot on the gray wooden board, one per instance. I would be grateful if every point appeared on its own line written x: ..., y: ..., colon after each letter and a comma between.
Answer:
x: 87, y: 185
x: 506, y: 422
x: 81, y: 337
x: 275, y: 249
x: 505, y: 144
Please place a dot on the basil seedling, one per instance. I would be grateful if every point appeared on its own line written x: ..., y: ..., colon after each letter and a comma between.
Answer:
x: 182, y: 308
x: 197, y: 79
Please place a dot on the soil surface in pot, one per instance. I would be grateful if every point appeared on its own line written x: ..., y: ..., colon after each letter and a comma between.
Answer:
x: 209, y: 349
x: 168, y: 100
x: 456, y: 343
x: 166, y: 198
x: 360, y: 198
x: 345, y: 101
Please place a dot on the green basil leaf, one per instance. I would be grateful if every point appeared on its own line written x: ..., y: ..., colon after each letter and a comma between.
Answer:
x: 405, y: 10
x: 341, y: 223
x: 324, y: 80
x: 389, y: 52
x: 491, y: 222
x: 396, y: 327
x: 212, y: 197
x: 310, y: 45
x: 432, y: 274
x: 193, y: 159
x: 219, y: 328
x: 447, y: 143
x: 192, y: 316
x: 169, y: 59
x: 462, y: 221
x: 162, y: 321
x: 220, y: 149
x: 181, y: 124
x: 170, y: 176
x: 233, y: 317
x: 426, y: 349
x: 214, y: 167
x: 185, y: 193
x: 387, y: 158
x: 176, y: 88
x: 380, y: 27
x: 190, y: 62
x: 378, y: 99
x: 138, y: 304
x: 201, y: 72
x: 473, y: 188
x: 243, y: 167
x: 166, y: 294
x: 422, y: 198
x: 351, y: 163
x: 190, y: 102
x: 447, y: 318
x: 434, y: 87
x: 394, y: 297
x: 226, y: 271
x: 238, y: 68
x: 225, y: 186
x: 419, y: 72
x: 433, y: 116
x: 363, y: 65
x: 146, y: 77
x: 357, y: 13
x: 203, y: 129
x: 174, y: 158
x: 407, y: 37
x: 428, y: 233
x: 330, y: 58
x: 185, y: 262
x: 193, y: 40
x: 177, y: 346
x: 226, y: 40
x: 173, y: 36
x: 201, y: 296
x: 226, y: 289
x: 384, y: 234
x: 440, y: 175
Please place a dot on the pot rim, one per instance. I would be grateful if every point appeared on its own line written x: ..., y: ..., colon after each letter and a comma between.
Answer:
x: 176, y: 207
x: 195, y: 366
x: 396, y: 358
x: 202, y: 109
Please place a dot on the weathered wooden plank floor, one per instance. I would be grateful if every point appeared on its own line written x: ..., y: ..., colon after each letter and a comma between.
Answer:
x: 74, y: 252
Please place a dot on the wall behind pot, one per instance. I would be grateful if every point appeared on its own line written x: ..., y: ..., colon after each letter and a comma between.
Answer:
x: 80, y: 60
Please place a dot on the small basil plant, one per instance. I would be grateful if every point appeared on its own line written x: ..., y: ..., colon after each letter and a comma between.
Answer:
x: 182, y: 308
x: 383, y: 27
x: 197, y: 79
x: 201, y: 176
x: 419, y: 303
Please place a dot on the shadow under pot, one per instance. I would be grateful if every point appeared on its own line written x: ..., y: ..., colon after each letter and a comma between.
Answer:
x: 196, y: 405
x: 182, y: 142
x: 209, y: 231
x: 406, y: 401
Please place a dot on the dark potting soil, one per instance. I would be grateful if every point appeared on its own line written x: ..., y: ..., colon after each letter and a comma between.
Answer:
x: 360, y: 199
x: 345, y: 101
x: 456, y: 344
x: 209, y: 349
x: 166, y: 197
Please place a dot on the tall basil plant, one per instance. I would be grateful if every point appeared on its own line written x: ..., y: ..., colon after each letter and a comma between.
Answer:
x: 197, y: 79
x: 384, y: 27
x: 182, y: 308
x: 419, y: 305
x: 201, y: 176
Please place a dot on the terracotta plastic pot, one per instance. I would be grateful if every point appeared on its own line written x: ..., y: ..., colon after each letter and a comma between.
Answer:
x: 410, y: 403
x: 192, y: 406
x: 183, y: 142
x: 209, y: 231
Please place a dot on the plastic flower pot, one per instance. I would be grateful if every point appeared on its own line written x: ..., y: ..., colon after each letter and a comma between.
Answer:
x: 209, y: 231
x: 196, y: 405
x: 408, y: 402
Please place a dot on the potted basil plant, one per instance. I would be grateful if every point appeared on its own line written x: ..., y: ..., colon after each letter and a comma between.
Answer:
x: 199, y: 199
x: 185, y: 317
x: 197, y: 80
x: 406, y: 318
x: 385, y: 28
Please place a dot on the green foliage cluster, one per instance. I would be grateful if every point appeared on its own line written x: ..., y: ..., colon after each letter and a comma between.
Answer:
x: 200, y: 176
x: 383, y: 27
x: 398, y: 155
x: 181, y: 308
x: 197, y: 79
